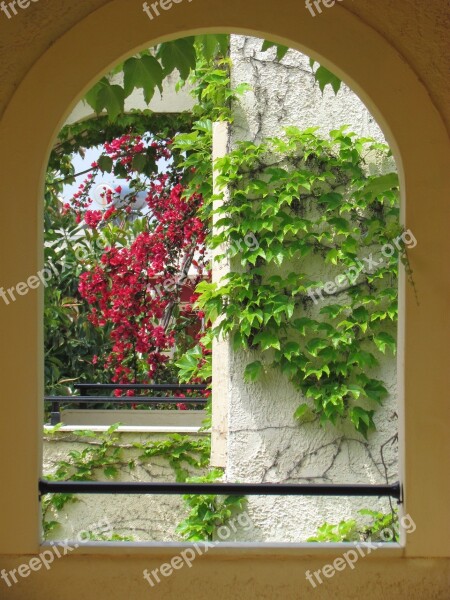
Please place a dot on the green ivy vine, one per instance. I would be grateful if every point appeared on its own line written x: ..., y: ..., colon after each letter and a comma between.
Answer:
x: 302, y: 196
x: 105, y: 456
x: 308, y: 199
x: 351, y: 531
x: 208, y: 511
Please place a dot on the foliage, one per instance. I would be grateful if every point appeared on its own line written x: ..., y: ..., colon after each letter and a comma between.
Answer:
x: 95, y: 131
x: 149, y: 68
x: 84, y: 465
x: 105, y: 456
x: 92, y: 536
x: 208, y: 512
x: 69, y: 337
x: 344, y: 531
x: 196, y: 363
x: 71, y: 341
x: 133, y: 290
x: 136, y: 289
x: 51, y: 503
x: 324, y: 77
x: 134, y: 155
x: 179, y: 450
x: 351, y: 531
x: 304, y: 196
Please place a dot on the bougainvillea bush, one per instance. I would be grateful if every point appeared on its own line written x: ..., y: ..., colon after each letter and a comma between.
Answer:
x: 137, y: 287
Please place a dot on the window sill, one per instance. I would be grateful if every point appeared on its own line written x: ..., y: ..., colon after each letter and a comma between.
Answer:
x: 243, y: 549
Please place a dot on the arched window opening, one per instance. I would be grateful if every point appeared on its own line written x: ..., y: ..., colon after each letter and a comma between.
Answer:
x: 279, y: 260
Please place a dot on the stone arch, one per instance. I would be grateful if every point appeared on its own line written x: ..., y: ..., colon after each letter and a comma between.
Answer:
x: 393, y: 94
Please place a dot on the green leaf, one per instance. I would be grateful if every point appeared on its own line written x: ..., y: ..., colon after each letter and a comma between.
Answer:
x: 301, y: 411
x: 332, y: 200
x: 350, y: 245
x: 339, y: 224
x: 325, y: 77
x: 238, y: 341
x: 204, y: 125
x: 291, y: 349
x: 332, y: 256
x: 375, y: 390
x: 180, y: 55
x: 332, y: 311
x: 380, y: 184
x: 105, y: 163
x: 360, y: 314
x: 253, y: 371
x: 112, y: 428
x: 213, y: 45
x: 267, y: 339
x: 362, y: 419
x: 110, y: 472
x: 363, y: 359
x: 92, y: 96
x: 281, y: 50
x: 288, y: 368
x: 355, y: 390
x: 328, y: 354
x: 139, y: 162
x: 209, y: 44
x: 316, y: 344
x: 144, y: 72
x: 111, y: 98
x: 304, y: 323
x: 382, y: 340
x: 318, y: 373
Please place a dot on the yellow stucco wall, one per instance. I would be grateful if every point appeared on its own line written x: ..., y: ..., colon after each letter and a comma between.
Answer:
x: 393, y: 55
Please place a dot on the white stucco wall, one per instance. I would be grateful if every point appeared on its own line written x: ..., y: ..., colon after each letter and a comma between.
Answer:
x: 264, y: 442
x: 149, y: 518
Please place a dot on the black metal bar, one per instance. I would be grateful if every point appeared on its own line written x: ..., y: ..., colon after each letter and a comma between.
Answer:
x: 57, y: 400
x: 55, y: 415
x: 140, y: 386
x: 246, y: 489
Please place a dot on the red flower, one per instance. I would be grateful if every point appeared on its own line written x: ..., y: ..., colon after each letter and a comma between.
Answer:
x: 126, y: 290
x: 92, y: 218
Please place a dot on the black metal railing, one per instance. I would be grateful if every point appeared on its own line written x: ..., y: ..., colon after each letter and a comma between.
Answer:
x: 392, y: 490
x: 85, y: 398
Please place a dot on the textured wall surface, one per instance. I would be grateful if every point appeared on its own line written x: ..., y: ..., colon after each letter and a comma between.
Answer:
x: 100, y: 577
x: 285, y: 93
x: 31, y: 32
x: 143, y: 517
x: 265, y: 443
